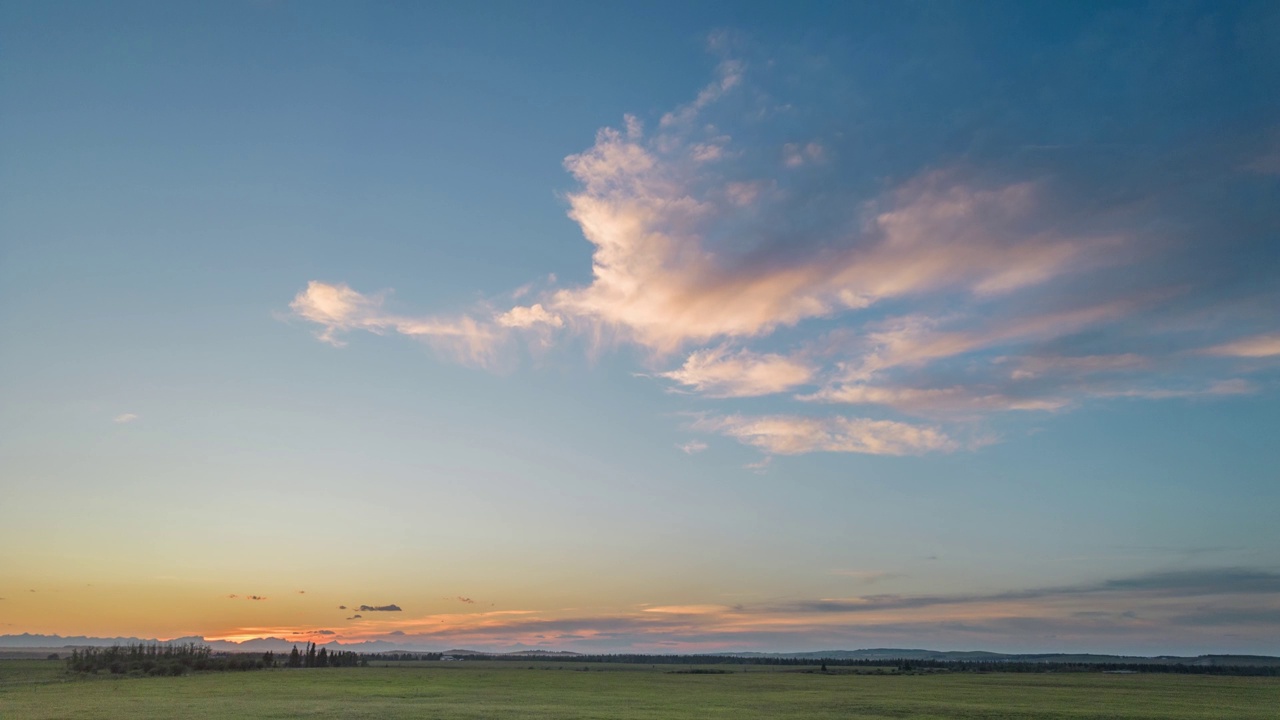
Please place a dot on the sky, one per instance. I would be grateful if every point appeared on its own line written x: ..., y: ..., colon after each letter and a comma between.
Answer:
x: 665, y: 327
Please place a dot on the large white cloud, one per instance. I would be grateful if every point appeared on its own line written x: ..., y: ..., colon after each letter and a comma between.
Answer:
x: 951, y: 295
x: 648, y: 210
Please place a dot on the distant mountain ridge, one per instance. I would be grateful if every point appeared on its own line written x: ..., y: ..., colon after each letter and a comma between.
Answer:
x: 985, y: 656
x: 28, y: 641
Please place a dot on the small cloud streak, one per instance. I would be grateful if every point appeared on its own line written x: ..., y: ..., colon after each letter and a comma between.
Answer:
x: 380, y: 608
x: 692, y: 447
x: 794, y: 155
x: 793, y: 435
x: 1221, y: 388
x: 688, y: 609
x: 124, y: 418
x: 526, y: 317
x: 721, y: 373
x: 931, y: 401
x: 1258, y: 346
x: 339, y: 309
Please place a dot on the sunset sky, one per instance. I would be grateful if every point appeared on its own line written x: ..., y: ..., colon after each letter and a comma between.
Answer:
x: 664, y: 327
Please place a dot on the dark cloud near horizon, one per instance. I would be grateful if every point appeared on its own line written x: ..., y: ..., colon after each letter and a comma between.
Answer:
x: 1175, y: 584
x: 465, y: 600
x: 1210, y: 581
x: 355, y: 617
x: 1229, y: 616
x: 380, y: 608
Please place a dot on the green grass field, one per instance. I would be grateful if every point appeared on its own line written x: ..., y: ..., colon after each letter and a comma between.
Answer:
x: 32, y: 689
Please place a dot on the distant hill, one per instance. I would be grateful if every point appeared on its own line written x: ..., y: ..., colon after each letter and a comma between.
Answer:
x: 984, y: 656
x: 57, y: 643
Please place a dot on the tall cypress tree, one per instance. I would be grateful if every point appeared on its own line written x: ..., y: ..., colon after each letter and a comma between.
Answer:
x: 295, y: 658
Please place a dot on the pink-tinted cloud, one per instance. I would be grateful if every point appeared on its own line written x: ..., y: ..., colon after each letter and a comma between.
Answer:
x: 917, y: 340
x: 933, y: 401
x: 339, y: 309
x: 949, y: 293
x: 1258, y: 346
x: 527, y: 317
x: 721, y: 372
x: 658, y: 283
x: 793, y: 435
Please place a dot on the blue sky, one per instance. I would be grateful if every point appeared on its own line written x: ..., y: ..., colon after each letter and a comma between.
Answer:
x: 669, y: 327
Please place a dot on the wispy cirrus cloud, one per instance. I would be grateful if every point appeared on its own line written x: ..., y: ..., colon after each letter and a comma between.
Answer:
x: 124, y: 418
x: 692, y: 447
x: 1220, y: 388
x: 1258, y: 346
x: 1181, y: 584
x: 721, y: 372
x: 338, y: 309
x: 794, y: 435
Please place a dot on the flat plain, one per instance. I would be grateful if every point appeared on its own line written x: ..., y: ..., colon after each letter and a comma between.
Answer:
x: 38, y: 689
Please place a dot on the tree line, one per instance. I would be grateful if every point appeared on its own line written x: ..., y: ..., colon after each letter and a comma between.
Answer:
x: 157, y: 659
x: 323, y: 658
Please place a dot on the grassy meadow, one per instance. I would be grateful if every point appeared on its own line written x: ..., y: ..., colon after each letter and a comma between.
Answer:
x: 36, y: 689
